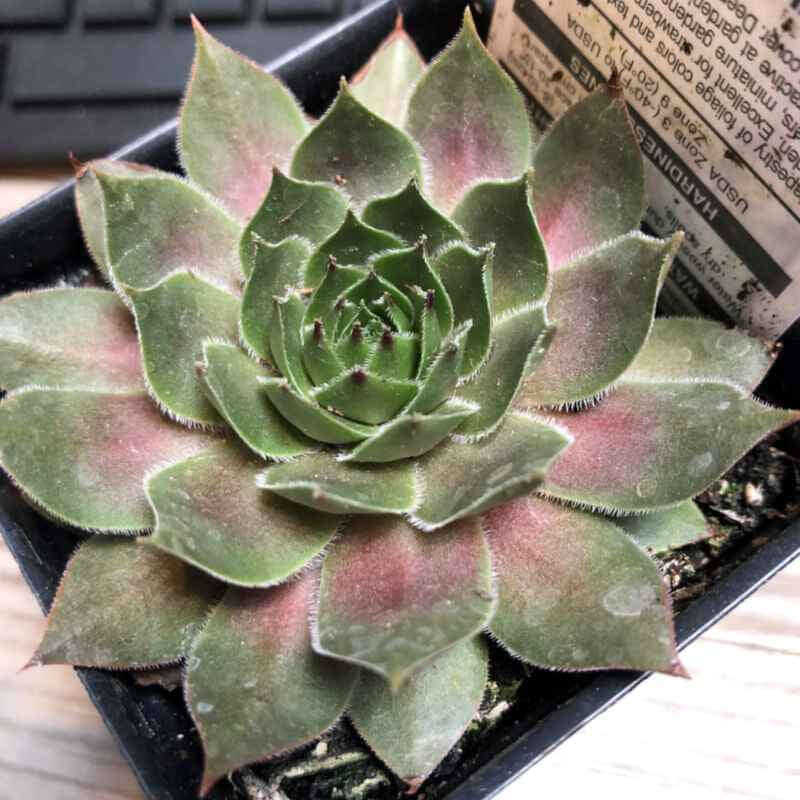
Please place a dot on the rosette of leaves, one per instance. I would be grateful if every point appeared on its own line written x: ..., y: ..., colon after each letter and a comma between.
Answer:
x: 362, y: 390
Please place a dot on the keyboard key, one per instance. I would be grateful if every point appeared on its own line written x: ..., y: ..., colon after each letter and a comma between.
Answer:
x: 109, y: 12
x: 33, y: 12
x: 287, y: 9
x: 211, y: 10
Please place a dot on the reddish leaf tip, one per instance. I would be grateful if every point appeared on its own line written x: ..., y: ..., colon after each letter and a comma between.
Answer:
x: 679, y: 671
x: 359, y: 376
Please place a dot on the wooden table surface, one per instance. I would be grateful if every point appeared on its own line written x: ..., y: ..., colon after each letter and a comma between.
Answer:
x: 733, y: 731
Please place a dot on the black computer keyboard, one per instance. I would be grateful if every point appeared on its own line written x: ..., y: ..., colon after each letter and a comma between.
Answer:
x: 90, y: 75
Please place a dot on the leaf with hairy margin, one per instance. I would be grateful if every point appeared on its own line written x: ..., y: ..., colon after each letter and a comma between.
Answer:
x: 82, y: 338
x: 357, y: 150
x: 174, y: 318
x: 254, y: 685
x: 232, y: 382
x: 158, y: 223
x: 574, y: 592
x: 499, y: 213
x: 602, y: 305
x: 82, y: 456
x: 237, y: 122
x: 441, y: 377
x: 319, y: 356
x: 469, y: 119
x: 459, y: 479
x: 159, y: 606
x: 416, y: 594
x: 322, y: 482
x: 588, y: 176
x: 323, y: 304
x: 660, y: 531
x: 651, y: 445
x: 395, y: 355
x: 412, y: 729
x: 210, y: 513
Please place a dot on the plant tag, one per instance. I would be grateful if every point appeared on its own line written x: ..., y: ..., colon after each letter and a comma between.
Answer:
x: 714, y: 92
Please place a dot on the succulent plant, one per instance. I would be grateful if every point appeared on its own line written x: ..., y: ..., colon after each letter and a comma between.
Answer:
x: 366, y: 389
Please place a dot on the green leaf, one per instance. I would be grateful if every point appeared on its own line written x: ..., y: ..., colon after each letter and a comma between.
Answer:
x: 360, y: 152
x: 411, y: 434
x: 336, y: 281
x: 210, y: 513
x: 372, y: 287
x: 660, y: 531
x: 469, y: 119
x: 319, y: 356
x: 409, y: 215
x: 415, y: 595
x: 254, y: 685
x: 396, y: 355
x: 322, y: 482
x: 286, y: 341
x: 232, y: 381
x: 81, y: 338
x: 237, y: 123
x: 174, y: 318
x: 159, y: 605
x: 276, y: 269
x: 412, y: 730
x: 158, y: 224
x: 576, y: 593
x: 602, y: 305
x: 354, y: 347
x: 588, y: 184
x: 460, y: 479
x: 82, y: 456
x: 499, y: 213
x: 385, y: 82
x: 429, y: 328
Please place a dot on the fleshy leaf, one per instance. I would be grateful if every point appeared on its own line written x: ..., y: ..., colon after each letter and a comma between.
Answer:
x: 82, y: 338
x: 469, y: 119
x: 588, y: 184
x: 158, y: 223
x: 276, y: 269
x: 286, y: 344
x: 602, y: 305
x: 174, y: 318
x: 409, y: 215
x: 82, y: 456
x: 499, y: 213
x: 660, y: 531
x: 232, y: 380
x: 652, y: 445
x: 159, y: 605
x: 319, y: 355
x: 237, y: 123
x: 411, y: 434
x: 358, y: 151
x: 684, y: 348
x: 320, y: 481
x: 412, y: 729
x: 336, y: 281
x: 396, y: 355
x: 210, y: 513
x: 254, y: 685
x: 385, y: 82
x: 415, y: 596
x: 576, y: 593
x: 460, y: 479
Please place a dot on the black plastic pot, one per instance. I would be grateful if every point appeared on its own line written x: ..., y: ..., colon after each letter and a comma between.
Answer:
x: 42, y: 244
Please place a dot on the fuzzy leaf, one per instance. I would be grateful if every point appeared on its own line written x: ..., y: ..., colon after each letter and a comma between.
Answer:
x: 660, y: 531
x: 254, y: 685
x: 232, y: 380
x: 460, y: 479
x: 683, y: 348
x: 158, y: 223
x: 81, y: 338
x: 357, y: 150
x: 588, y: 184
x: 237, y: 123
x: 320, y: 481
x: 210, y: 513
x: 576, y: 593
x: 159, y: 605
x: 469, y: 119
x: 651, y: 445
x: 174, y: 318
x: 276, y: 269
x: 602, y: 305
x: 82, y: 456
x: 373, y: 287
x: 336, y: 281
x: 415, y: 595
x: 396, y: 355
x: 499, y: 213
x: 319, y: 355
x: 385, y: 82
x: 286, y: 343
x: 412, y: 730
